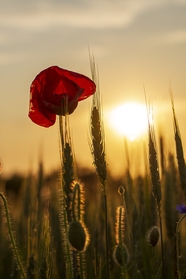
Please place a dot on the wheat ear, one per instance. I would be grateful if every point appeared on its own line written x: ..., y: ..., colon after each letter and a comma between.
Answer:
x: 97, y: 131
x: 179, y: 149
x: 98, y: 150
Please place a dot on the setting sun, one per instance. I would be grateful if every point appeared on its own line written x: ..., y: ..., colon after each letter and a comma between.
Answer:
x: 129, y: 119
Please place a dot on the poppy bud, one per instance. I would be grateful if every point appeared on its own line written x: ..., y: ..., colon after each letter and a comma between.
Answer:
x: 121, y: 254
x: 153, y: 236
x: 78, y: 236
x: 121, y: 190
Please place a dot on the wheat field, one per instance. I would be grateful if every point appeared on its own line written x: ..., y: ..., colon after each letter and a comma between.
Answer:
x: 76, y: 223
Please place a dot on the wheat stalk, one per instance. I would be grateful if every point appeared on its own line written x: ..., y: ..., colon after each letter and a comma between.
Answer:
x: 179, y: 149
x: 155, y: 179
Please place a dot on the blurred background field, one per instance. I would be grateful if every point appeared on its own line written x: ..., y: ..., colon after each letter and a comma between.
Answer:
x: 33, y: 201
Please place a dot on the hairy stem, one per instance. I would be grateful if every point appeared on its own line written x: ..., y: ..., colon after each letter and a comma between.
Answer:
x: 12, y: 239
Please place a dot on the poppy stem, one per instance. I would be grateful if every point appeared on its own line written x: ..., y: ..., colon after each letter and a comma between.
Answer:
x: 66, y: 179
x: 106, y: 235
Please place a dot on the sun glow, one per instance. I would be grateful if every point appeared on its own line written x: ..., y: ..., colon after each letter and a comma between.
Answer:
x: 129, y: 119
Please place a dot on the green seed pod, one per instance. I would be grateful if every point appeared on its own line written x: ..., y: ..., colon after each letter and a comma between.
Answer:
x: 78, y: 236
x: 153, y: 236
x: 121, y: 254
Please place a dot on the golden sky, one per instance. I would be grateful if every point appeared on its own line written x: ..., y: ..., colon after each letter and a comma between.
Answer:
x: 136, y: 44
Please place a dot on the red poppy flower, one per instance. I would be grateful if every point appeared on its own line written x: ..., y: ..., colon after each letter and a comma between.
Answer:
x: 57, y: 91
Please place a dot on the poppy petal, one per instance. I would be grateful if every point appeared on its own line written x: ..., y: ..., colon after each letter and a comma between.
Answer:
x: 37, y: 112
x: 55, y: 91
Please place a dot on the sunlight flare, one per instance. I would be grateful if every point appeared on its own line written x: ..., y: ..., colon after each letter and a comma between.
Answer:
x: 129, y: 119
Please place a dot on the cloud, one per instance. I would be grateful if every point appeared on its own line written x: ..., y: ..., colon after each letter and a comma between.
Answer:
x: 171, y: 38
x: 28, y: 27
x: 80, y: 14
x: 11, y: 57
